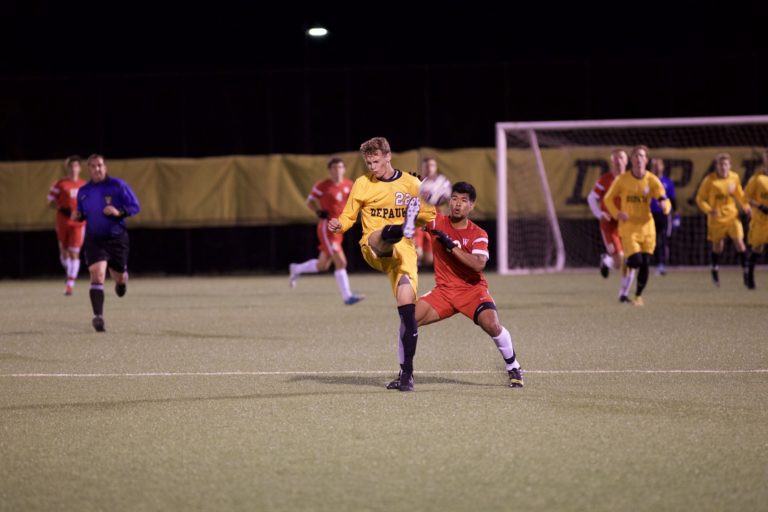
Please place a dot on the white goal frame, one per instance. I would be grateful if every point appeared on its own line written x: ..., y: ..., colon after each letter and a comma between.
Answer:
x: 531, y: 128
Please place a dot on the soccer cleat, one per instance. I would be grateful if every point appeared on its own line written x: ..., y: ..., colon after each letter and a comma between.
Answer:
x: 638, y: 301
x: 515, y: 377
x: 406, y: 381
x: 604, y: 270
x: 716, y: 278
x: 661, y: 270
x: 68, y: 290
x: 120, y: 289
x: 623, y: 299
x: 409, y: 228
x: 294, y: 276
x: 353, y: 299
x: 750, y: 275
x: 98, y: 324
x: 395, y: 384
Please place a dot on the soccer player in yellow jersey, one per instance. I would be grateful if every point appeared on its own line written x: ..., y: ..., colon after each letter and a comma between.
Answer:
x: 756, y: 193
x: 635, y: 190
x: 388, y: 202
x: 716, y: 198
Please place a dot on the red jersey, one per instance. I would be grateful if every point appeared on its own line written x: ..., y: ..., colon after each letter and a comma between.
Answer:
x: 64, y: 194
x: 449, y: 271
x: 331, y: 196
x: 601, y: 187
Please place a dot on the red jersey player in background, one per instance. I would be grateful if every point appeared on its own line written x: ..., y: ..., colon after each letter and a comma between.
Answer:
x: 327, y: 200
x: 63, y: 198
x: 461, y: 253
x: 613, y: 257
x: 422, y: 240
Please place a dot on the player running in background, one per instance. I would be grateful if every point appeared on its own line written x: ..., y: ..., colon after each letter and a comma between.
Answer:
x: 613, y: 257
x: 327, y: 200
x: 69, y: 233
x: 716, y: 198
x: 461, y: 253
x: 635, y: 189
x: 756, y: 193
x: 422, y: 240
x: 105, y: 202
x: 388, y: 203
x: 662, y: 221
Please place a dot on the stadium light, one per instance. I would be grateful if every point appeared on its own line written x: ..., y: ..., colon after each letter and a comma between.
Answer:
x: 317, y: 32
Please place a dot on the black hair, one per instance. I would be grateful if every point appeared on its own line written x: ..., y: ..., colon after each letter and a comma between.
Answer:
x: 462, y: 187
x: 333, y: 161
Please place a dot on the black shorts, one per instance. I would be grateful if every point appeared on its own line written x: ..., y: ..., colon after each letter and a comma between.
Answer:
x: 113, y: 250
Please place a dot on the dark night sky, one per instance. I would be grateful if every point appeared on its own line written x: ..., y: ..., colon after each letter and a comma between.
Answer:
x: 129, y: 37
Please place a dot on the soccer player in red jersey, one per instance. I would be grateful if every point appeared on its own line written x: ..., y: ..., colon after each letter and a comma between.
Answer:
x: 63, y: 198
x: 327, y: 200
x: 461, y: 253
x: 613, y: 257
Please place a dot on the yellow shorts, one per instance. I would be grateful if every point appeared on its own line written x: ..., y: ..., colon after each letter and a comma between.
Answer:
x: 717, y: 231
x: 643, y: 241
x: 401, y: 263
x: 758, y: 233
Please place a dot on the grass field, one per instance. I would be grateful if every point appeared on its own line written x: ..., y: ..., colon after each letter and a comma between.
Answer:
x: 239, y: 394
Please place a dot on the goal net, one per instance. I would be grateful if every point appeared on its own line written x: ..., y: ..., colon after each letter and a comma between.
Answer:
x: 545, y: 170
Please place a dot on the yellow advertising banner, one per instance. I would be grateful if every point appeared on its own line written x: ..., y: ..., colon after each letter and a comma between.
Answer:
x: 272, y: 189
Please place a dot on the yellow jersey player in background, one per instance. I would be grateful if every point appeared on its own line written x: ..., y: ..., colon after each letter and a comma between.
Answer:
x: 636, y: 227
x: 716, y: 198
x: 388, y: 202
x: 756, y: 193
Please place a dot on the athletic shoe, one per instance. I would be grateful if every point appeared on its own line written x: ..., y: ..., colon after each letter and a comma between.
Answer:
x: 294, y: 276
x: 604, y: 270
x: 409, y: 228
x: 638, y: 301
x: 624, y: 300
x: 68, y: 290
x: 515, y: 377
x: 716, y: 278
x: 120, y: 289
x: 406, y: 381
x: 353, y: 299
x: 661, y: 270
x: 98, y: 324
x: 395, y: 384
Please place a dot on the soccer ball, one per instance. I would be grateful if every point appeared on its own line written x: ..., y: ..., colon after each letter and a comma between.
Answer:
x: 435, y: 190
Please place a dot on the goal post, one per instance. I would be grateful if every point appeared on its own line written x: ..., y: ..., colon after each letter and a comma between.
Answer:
x: 546, y: 168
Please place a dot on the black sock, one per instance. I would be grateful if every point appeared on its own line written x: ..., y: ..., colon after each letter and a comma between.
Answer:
x: 97, y: 299
x: 642, y: 278
x: 743, y: 260
x: 409, y: 334
x: 715, y: 260
x: 392, y: 233
x: 752, y: 260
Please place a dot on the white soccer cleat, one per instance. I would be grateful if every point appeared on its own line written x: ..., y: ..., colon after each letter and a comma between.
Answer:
x: 294, y: 275
x: 409, y: 228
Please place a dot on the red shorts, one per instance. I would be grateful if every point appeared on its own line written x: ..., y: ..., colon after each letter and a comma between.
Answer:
x: 611, y: 239
x: 330, y: 243
x: 467, y: 301
x: 70, y: 235
x: 423, y: 241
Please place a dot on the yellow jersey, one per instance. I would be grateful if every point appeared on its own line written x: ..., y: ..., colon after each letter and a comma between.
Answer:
x: 635, y: 196
x: 382, y: 202
x: 716, y: 193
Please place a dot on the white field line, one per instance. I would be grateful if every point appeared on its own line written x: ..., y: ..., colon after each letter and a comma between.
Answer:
x: 359, y: 372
